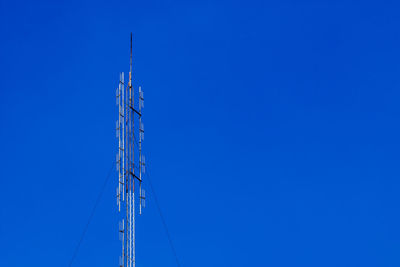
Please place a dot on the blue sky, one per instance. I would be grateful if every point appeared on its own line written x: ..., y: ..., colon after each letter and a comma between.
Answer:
x: 272, y: 131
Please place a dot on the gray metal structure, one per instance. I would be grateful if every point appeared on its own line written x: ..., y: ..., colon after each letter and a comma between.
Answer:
x: 129, y: 171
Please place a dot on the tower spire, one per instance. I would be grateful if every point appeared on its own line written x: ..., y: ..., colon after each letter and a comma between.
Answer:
x: 127, y: 115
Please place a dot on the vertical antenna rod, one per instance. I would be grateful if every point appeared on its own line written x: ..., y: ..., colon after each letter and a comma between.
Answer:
x: 132, y: 168
x: 131, y: 56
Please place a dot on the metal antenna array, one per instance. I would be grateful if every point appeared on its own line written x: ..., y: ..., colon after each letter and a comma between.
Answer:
x: 125, y: 129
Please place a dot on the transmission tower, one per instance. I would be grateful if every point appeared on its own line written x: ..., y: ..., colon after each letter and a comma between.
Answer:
x: 129, y: 171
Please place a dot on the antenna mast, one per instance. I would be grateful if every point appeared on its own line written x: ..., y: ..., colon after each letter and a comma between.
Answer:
x: 126, y: 165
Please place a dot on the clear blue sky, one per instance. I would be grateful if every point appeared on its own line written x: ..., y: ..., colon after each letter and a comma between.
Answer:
x: 272, y: 131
